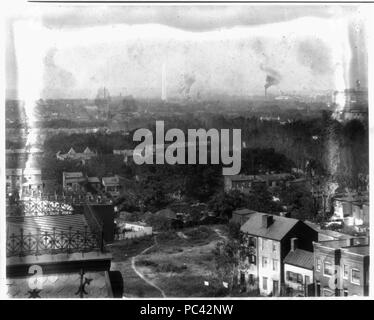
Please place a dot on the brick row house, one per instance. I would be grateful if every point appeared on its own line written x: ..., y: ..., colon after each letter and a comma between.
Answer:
x: 280, y: 256
x: 266, y: 241
x: 341, y: 267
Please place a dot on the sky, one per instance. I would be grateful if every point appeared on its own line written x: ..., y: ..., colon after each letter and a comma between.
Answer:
x: 55, y: 51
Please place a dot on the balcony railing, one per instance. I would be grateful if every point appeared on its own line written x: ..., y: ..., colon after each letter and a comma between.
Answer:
x: 53, y: 242
x: 46, y: 205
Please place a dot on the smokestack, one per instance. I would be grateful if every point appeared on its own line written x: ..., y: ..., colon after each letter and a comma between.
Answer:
x: 294, y: 243
x: 267, y: 220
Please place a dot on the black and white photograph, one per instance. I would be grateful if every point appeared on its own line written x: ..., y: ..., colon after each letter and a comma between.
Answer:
x: 186, y: 150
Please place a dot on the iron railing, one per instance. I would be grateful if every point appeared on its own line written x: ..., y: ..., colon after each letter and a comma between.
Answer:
x: 44, y: 242
x: 46, y: 205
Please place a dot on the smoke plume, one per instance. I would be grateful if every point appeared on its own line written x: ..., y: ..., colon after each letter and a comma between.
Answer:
x: 273, y: 77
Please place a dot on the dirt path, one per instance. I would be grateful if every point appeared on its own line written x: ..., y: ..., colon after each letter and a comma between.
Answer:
x: 133, y: 266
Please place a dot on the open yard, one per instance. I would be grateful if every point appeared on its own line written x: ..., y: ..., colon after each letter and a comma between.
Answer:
x: 176, y: 263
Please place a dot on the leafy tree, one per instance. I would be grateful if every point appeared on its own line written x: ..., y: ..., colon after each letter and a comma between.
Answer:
x: 226, y: 258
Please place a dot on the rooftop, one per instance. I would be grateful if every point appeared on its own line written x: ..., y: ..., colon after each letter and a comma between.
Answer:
x: 72, y: 174
x: 93, y: 180
x: 31, y: 224
x: 110, y: 180
x: 300, y: 258
x: 277, y: 230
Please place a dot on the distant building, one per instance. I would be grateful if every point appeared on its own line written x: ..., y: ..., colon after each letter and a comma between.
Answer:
x: 245, y: 183
x: 87, y: 154
x: 241, y: 216
x: 341, y: 267
x: 13, y: 180
x: 26, y: 181
x: 94, y: 182
x: 32, y: 181
x: 111, y: 185
x: 351, y: 104
x: 72, y: 180
x: 352, y: 209
x: 127, y: 154
x: 22, y: 155
x: 266, y: 241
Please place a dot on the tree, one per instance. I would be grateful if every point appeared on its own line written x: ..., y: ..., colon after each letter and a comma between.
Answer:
x: 226, y: 257
x: 223, y: 204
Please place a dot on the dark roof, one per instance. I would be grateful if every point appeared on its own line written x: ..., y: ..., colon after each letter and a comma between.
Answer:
x: 277, y: 230
x: 300, y: 258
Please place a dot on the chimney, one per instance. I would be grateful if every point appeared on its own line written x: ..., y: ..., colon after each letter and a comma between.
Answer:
x: 293, y: 244
x: 350, y: 242
x: 267, y: 220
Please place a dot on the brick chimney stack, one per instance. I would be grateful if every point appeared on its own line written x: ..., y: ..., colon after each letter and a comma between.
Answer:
x: 267, y: 220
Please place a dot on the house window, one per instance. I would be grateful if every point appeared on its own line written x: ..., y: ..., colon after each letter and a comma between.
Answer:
x: 252, y: 259
x: 345, y: 271
x: 345, y: 292
x: 264, y: 262
x: 264, y: 283
x: 242, y: 278
x: 275, y: 264
x: 251, y: 280
x: 274, y: 246
x: 318, y: 264
x: 294, y: 277
x: 355, y: 276
x: 252, y: 242
x: 328, y: 268
x: 263, y: 244
x: 299, y: 278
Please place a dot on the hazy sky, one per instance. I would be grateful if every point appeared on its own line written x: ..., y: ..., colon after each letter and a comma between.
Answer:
x: 71, y: 51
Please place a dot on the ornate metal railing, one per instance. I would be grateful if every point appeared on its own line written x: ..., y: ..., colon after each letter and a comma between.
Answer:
x: 51, y: 205
x: 43, y: 242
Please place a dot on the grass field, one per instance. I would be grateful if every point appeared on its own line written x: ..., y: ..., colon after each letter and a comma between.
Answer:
x: 178, y: 263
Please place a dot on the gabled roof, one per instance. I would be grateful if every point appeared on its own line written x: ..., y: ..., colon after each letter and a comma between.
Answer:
x: 276, y: 231
x: 71, y: 151
x: 87, y: 150
x: 300, y: 258
x: 93, y: 180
